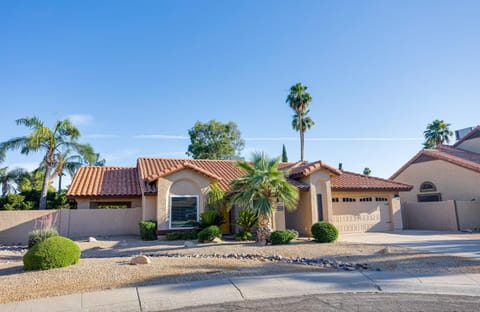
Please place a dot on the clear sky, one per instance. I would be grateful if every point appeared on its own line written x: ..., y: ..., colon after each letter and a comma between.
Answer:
x: 136, y: 75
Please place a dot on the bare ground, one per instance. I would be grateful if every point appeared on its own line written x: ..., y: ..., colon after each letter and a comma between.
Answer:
x: 105, y: 264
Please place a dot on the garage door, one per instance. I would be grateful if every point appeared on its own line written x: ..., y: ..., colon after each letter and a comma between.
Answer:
x: 361, y: 214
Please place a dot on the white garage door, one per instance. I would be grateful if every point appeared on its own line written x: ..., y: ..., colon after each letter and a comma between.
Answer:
x: 361, y: 214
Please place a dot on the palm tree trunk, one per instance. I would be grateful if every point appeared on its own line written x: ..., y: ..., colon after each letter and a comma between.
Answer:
x: 43, y: 195
x: 302, y: 145
x: 4, y: 188
x: 60, y: 182
x: 263, y: 231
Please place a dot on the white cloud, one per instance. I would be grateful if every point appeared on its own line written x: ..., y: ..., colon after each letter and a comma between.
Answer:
x: 161, y: 137
x: 80, y: 119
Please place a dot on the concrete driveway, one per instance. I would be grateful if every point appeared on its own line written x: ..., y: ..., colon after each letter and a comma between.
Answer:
x: 451, y: 243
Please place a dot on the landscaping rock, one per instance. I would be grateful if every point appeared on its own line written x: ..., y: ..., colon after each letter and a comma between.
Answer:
x: 92, y: 239
x: 385, y: 250
x: 190, y: 244
x: 217, y: 240
x: 140, y: 260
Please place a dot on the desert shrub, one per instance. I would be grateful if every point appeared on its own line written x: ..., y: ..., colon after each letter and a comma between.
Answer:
x: 182, y: 235
x: 243, y: 235
x: 282, y: 237
x: 324, y: 232
x: 54, y: 252
x: 37, y: 236
x: 209, y: 233
x: 210, y: 217
x: 148, y: 230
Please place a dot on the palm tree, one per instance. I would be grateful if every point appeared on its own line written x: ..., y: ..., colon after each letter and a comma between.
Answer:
x: 437, y: 133
x: 367, y: 171
x: 261, y: 187
x: 67, y: 162
x: 8, y: 177
x: 299, y: 100
x: 52, y: 142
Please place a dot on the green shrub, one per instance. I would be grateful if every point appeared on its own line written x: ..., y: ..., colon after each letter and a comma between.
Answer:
x: 324, y: 232
x: 210, y: 217
x: 37, y: 236
x: 54, y: 252
x: 247, y: 219
x: 182, y: 235
x: 282, y: 237
x: 209, y: 233
x: 148, y: 230
x: 243, y: 235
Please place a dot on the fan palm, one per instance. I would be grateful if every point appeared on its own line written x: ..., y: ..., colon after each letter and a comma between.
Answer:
x: 261, y: 187
x: 8, y: 178
x: 299, y: 100
x: 52, y: 142
x: 437, y: 133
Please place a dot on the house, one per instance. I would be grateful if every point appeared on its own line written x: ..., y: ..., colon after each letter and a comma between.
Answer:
x: 173, y: 192
x: 445, y: 172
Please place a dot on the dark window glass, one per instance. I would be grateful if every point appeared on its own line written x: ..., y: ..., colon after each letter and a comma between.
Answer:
x: 184, y: 212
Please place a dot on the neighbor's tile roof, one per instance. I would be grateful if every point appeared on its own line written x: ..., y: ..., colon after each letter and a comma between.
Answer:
x: 93, y: 181
x: 349, y: 181
x: 305, y: 169
x: 474, y: 133
x: 456, y: 156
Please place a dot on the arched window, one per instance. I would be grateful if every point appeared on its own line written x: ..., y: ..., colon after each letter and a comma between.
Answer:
x: 428, y: 187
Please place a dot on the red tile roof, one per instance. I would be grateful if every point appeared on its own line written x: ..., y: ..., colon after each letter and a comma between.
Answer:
x: 475, y: 132
x: 93, y: 181
x: 349, y: 181
x: 456, y: 156
x: 306, y: 169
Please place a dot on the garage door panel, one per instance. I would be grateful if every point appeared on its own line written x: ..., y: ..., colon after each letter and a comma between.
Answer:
x: 361, y: 216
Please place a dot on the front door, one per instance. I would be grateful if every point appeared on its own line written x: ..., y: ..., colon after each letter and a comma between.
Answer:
x: 319, y: 207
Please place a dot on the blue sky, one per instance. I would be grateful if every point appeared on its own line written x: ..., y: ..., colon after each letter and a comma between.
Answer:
x: 136, y: 75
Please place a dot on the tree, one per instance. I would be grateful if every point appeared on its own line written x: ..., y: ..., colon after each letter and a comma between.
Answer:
x: 367, y: 171
x: 284, y: 154
x: 214, y: 140
x: 299, y: 100
x: 8, y: 178
x: 64, y: 135
x: 67, y: 162
x: 436, y: 133
x: 261, y: 187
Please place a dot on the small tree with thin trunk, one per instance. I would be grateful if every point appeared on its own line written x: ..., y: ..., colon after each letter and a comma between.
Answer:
x: 260, y: 188
x: 284, y: 154
x: 64, y: 135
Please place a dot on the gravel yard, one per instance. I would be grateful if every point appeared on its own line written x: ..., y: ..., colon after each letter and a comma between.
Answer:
x: 105, y: 264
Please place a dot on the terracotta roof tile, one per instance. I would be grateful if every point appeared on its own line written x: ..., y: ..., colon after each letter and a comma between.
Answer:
x: 91, y: 181
x: 475, y: 131
x: 456, y: 156
x: 349, y: 181
x: 305, y: 169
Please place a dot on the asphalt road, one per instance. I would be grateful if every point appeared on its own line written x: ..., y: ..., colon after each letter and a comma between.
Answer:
x: 350, y: 302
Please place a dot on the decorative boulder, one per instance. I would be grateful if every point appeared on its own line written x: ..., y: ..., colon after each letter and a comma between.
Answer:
x: 140, y: 260
x: 92, y: 239
x: 190, y: 244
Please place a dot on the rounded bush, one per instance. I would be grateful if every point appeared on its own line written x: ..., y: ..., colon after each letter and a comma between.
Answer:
x: 209, y: 233
x: 54, y: 252
x: 282, y: 237
x: 324, y: 232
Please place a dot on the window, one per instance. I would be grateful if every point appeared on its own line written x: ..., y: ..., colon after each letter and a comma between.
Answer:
x: 429, y: 197
x: 348, y: 200
x: 428, y: 187
x: 110, y: 205
x: 381, y: 199
x: 366, y: 199
x: 183, y: 211
x: 335, y: 200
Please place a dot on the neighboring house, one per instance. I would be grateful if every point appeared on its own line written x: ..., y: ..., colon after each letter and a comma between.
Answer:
x: 173, y: 192
x: 445, y: 172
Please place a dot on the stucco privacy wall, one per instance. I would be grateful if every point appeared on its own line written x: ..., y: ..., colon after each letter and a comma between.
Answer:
x: 430, y: 216
x: 15, y: 225
x: 468, y: 215
x: 452, y: 181
x: 184, y: 182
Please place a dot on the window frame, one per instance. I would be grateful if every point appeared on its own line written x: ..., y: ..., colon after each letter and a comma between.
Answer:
x: 170, y: 206
x: 422, y: 190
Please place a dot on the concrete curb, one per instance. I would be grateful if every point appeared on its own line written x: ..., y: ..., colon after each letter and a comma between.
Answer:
x: 174, y: 296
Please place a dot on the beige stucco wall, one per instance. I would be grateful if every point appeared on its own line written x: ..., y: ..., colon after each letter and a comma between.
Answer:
x: 15, y: 225
x: 367, y: 216
x: 84, y: 203
x: 452, y: 181
x: 468, y: 215
x: 472, y: 145
x: 306, y: 213
x: 149, y: 207
x: 184, y: 182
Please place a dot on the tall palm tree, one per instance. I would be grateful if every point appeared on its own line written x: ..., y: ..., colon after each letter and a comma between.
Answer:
x: 299, y: 100
x: 67, y: 162
x: 8, y: 178
x: 437, y: 133
x: 261, y: 187
x: 62, y: 136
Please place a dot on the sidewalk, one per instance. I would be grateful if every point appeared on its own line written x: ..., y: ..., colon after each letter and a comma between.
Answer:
x: 174, y: 296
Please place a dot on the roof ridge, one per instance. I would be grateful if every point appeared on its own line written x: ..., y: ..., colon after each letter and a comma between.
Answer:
x: 374, y: 178
x: 467, y: 136
x: 190, y: 159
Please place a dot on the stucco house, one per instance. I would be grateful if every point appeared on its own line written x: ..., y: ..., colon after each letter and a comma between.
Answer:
x: 173, y: 192
x: 445, y: 172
